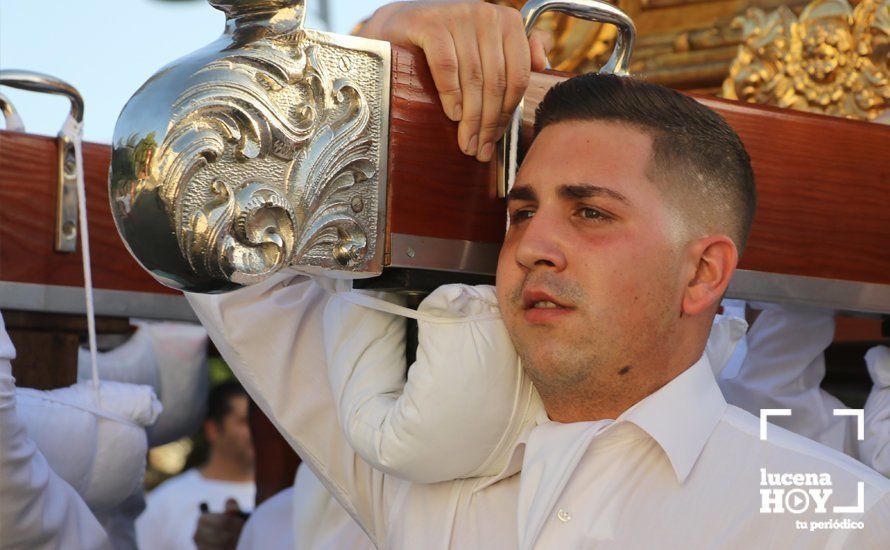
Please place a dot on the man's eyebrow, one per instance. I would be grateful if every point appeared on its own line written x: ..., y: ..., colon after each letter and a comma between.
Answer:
x: 585, y: 191
x: 524, y: 193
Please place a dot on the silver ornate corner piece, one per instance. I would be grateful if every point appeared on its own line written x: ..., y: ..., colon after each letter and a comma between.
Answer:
x: 266, y: 149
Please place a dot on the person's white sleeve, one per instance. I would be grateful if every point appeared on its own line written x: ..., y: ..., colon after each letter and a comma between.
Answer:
x: 120, y: 523
x: 874, y: 450
x: 319, y: 522
x: 463, y: 402
x: 783, y: 369
x: 270, y: 335
x: 38, y: 509
x: 270, y: 526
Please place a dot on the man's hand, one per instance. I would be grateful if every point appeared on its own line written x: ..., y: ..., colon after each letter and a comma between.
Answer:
x: 479, y: 57
x: 220, y: 531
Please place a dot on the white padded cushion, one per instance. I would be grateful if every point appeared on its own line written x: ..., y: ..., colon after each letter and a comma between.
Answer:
x: 102, y: 458
x: 171, y: 358
x: 465, y: 400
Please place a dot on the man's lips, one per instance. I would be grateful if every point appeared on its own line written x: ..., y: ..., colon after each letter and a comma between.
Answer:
x: 541, y: 307
x: 536, y: 298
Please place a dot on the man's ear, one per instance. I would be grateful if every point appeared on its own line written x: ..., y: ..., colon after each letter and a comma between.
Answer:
x: 211, y: 431
x: 716, y: 257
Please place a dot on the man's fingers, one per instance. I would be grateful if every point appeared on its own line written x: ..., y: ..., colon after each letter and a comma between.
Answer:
x: 494, y: 81
x: 471, y: 80
x: 479, y: 58
x: 540, y: 43
x: 441, y: 56
x: 232, y: 505
x: 518, y: 63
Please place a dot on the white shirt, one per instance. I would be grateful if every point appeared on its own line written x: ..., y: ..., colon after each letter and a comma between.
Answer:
x: 173, y: 508
x: 874, y: 450
x: 270, y: 526
x: 319, y: 521
x: 38, y: 509
x: 681, y: 468
x: 302, y: 517
x: 783, y: 369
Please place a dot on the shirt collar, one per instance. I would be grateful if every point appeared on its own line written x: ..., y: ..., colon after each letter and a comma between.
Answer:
x: 681, y: 415
x: 514, y: 465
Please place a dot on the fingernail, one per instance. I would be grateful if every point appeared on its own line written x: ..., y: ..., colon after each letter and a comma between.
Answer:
x: 485, y: 154
x: 472, y: 145
x: 457, y: 112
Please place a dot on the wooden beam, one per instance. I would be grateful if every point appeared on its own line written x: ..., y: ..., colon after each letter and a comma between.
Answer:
x: 823, y: 182
x: 28, y: 188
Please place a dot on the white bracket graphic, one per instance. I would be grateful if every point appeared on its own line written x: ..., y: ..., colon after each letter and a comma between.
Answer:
x: 860, y: 420
x: 860, y: 501
x: 766, y: 413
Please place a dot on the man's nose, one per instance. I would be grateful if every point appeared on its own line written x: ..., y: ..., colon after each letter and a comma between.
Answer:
x: 541, y: 244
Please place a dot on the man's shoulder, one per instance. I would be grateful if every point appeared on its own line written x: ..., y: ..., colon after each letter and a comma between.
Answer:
x: 783, y: 451
x: 176, y: 486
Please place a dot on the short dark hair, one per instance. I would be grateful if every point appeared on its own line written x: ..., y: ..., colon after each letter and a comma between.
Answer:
x: 219, y: 400
x: 693, y: 147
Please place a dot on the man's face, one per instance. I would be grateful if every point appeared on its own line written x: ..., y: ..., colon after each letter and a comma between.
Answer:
x: 233, y: 434
x: 589, y: 275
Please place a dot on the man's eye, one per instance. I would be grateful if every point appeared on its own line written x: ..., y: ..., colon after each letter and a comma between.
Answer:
x: 592, y: 214
x: 521, y: 215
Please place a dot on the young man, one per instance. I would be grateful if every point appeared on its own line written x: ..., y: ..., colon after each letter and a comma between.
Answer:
x: 627, y: 219
x: 173, y: 508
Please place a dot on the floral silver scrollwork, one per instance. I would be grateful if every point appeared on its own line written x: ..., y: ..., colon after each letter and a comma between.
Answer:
x: 261, y: 150
x: 244, y: 235
x: 264, y: 154
x: 325, y: 173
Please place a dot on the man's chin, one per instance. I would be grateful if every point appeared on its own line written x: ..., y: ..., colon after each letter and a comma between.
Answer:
x: 553, y: 370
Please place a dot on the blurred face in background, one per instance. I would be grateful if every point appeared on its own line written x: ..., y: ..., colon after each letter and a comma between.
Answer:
x: 231, y: 437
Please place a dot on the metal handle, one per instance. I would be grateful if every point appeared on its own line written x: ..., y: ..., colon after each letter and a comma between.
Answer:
x: 70, y: 154
x: 44, y: 83
x: 590, y: 10
x: 13, y: 120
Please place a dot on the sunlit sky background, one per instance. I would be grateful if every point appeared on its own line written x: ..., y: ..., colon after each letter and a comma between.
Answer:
x: 108, y: 48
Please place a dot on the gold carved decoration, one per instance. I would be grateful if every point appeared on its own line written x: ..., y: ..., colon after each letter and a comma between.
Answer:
x: 832, y: 59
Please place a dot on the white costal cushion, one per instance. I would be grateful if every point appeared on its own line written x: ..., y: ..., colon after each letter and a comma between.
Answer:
x: 98, y: 450
x: 463, y: 403
x: 171, y: 358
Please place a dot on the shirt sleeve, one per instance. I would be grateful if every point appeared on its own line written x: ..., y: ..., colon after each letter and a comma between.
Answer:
x: 38, y: 509
x: 462, y: 407
x: 271, y: 336
x: 874, y: 450
x: 784, y: 368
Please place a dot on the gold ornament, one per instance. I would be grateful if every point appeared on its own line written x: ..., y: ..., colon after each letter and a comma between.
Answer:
x: 833, y: 59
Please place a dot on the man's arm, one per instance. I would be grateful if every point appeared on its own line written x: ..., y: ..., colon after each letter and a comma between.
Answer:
x: 874, y: 450
x: 270, y: 334
x: 38, y: 509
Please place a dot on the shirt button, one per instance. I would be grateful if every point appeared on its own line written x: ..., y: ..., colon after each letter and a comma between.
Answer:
x: 563, y: 516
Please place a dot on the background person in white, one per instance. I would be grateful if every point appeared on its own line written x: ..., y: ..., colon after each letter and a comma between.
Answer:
x: 302, y: 517
x: 626, y: 221
x: 173, y: 508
